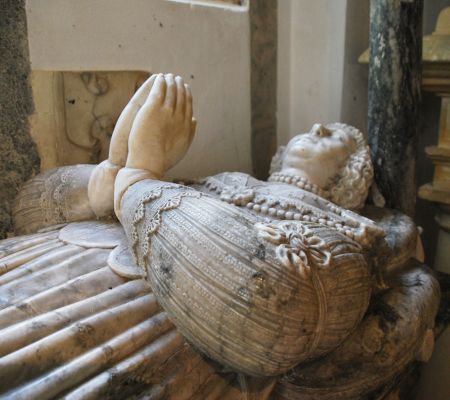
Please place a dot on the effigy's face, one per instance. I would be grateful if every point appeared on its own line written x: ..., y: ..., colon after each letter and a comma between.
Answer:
x: 320, y: 152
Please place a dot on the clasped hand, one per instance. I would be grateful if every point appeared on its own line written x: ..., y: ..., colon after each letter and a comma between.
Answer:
x: 156, y: 128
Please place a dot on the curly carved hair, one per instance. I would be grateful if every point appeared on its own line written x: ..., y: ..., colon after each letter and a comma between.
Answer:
x: 349, y: 188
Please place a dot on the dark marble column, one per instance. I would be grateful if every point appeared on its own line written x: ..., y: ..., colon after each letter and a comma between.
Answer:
x: 263, y: 34
x: 18, y: 155
x: 394, y: 97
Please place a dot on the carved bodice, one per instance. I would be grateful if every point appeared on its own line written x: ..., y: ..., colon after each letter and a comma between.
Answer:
x: 269, y: 201
x: 387, y: 236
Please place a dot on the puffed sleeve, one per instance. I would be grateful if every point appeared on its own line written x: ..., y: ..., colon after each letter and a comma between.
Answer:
x: 259, y: 297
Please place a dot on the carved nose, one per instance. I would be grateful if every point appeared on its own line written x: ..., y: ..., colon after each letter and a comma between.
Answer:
x: 320, y: 130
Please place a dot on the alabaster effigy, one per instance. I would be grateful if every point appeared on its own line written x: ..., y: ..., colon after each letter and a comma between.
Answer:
x: 123, y: 285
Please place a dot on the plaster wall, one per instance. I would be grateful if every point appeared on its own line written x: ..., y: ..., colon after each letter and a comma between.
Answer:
x: 208, y: 43
x: 311, y: 41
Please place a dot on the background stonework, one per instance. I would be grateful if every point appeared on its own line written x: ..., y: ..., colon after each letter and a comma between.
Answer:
x: 18, y: 155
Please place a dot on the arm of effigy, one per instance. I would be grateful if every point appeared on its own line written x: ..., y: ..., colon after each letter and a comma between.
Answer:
x: 53, y: 197
x: 256, y: 297
x: 65, y: 194
x: 80, y: 192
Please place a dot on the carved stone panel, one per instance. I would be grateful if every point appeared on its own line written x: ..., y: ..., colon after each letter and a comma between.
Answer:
x: 75, y: 113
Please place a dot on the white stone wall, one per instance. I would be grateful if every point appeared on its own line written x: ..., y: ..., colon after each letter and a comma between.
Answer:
x: 320, y: 79
x: 310, y: 64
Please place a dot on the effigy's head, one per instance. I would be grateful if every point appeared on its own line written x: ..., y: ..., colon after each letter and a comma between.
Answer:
x: 335, y: 157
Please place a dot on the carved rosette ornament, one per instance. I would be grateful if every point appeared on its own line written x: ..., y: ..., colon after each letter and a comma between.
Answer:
x: 298, y: 248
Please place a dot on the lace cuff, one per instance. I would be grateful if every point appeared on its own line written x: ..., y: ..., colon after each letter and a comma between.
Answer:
x: 125, y: 178
x: 53, y: 197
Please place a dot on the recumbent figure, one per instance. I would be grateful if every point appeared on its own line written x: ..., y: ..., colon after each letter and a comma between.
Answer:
x: 221, y: 287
